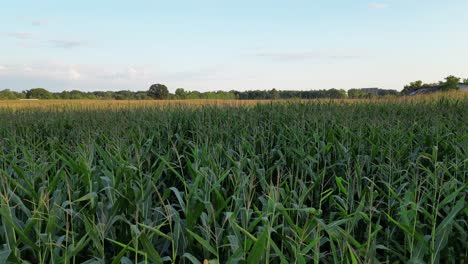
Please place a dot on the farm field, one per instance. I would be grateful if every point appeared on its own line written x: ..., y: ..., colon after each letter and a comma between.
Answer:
x: 59, y: 104
x: 323, y: 181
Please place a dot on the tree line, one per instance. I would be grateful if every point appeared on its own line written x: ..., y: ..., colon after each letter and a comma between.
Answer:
x: 450, y: 83
x: 161, y: 92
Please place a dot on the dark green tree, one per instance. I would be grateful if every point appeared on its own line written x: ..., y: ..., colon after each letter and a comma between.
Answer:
x: 158, y: 91
x: 355, y: 93
x: 413, y: 86
x: 180, y: 93
x: 39, y: 93
x: 451, y: 83
x: 74, y: 94
x: 141, y: 95
x: 274, y: 94
x: 7, y: 94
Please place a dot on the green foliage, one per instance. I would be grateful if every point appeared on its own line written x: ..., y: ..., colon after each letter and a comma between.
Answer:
x: 356, y: 93
x: 158, y: 91
x: 10, y: 95
x: 274, y: 94
x: 39, y: 93
x: 371, y: 92
x: 180, y: 93
x: 413, y: 86
x: 291, y: 94
x: 273, y: 183
x: 221, y: 95
x: 451, y: 83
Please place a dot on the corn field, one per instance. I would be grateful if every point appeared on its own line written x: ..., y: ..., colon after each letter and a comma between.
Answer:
x: 291, y: 182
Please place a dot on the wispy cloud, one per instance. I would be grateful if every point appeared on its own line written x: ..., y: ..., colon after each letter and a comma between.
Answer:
x: 39, y: 22
x: 377, y: 5
x: 25, y: 43
x: 305, y: 56
x: 18, y: 35
x: 59, y: 75
x: 44, y: 70
x: 66, y: 44
x: 75, y: 72
x: 129, y: 73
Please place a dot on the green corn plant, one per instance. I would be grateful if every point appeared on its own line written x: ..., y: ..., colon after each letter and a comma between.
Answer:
x: 375, y: 181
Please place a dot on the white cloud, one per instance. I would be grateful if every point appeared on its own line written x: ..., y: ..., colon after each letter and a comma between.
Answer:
x: 74, y: 74
x: 25, y: 44
x: 377, y: 5
x: 3, y: 69
x: 47, y: 70
x: 77, y: 72
x: 127, y: 74
x: 132, y: 73
x: 59, y: 75
x: 18, y: 35
x: 39, y: 23
x: 66, y: 44
x: 306, y: 56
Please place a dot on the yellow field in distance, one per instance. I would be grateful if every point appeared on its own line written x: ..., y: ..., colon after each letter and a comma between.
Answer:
x: 117, y: 104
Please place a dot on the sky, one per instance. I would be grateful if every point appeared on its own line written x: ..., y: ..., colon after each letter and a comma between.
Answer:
x: 209, y: 45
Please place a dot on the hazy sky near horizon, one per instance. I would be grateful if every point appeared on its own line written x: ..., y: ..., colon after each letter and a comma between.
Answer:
x: 222, y: 45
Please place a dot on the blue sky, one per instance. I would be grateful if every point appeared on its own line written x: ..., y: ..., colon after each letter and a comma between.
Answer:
x: 223, y: 45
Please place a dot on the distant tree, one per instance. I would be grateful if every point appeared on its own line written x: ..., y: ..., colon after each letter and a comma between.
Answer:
x: 355, y: 93
x: 158, y: 91
x: 335, y: 93
x: 451, y: 83
x: 180, y: 93
x: 235, y: 94
x: 141, y: 95
x: 274, y: 94
x: 63, y: 95
x: 124, y: 95
x: 465, y: 81
x: 74, y: 94
x: 193, y: 95
x: 39, y: 93
x: 413, y: 86
x: 7, y: 94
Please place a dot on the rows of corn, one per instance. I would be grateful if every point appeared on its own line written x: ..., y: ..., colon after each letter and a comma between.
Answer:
x: 298, y: 182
